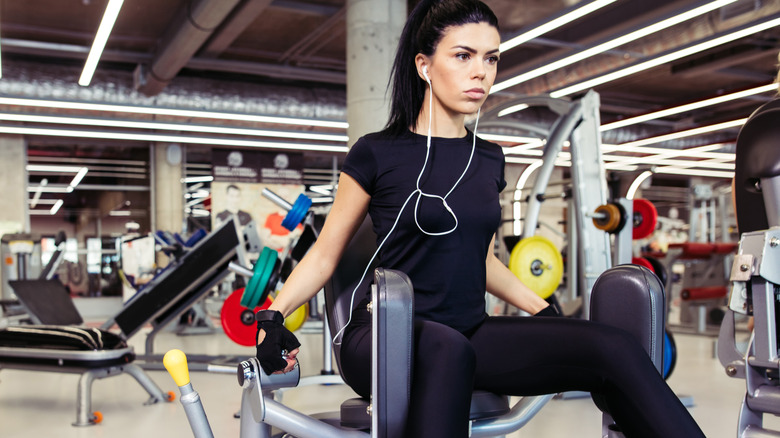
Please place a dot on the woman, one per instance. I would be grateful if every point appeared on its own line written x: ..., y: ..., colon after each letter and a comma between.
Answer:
x: 432, y: 190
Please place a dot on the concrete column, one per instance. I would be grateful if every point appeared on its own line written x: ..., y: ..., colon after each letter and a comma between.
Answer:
x: 373, y: 30
x: 167, y: 190
x: 14, y: 215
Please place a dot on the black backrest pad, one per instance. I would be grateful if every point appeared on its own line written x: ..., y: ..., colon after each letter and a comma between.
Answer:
x: 174, y: 287
x: 757, y: 156
x: 338, y: 290
x: 631, y: 297
x: 48, y: 300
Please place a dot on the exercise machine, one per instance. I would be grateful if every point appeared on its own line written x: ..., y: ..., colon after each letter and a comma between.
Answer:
x: 754, y: 273
x: 634, y: 290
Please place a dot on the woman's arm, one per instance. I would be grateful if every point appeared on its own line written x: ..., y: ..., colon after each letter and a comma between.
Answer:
x: 310, y: 274
x: 502, y: 283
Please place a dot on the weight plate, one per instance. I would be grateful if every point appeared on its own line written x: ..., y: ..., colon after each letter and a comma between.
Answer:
x: 251, y: 295
x: 645, y: 218
x: 538, y: 264
x: 268, y: 270
x: 610, y: 220
x: 659, y: 269
x: 641, y: 261
x: 297, y: 212
x: 670, y: 354
x: 236, y: 322
x: 296, y: 319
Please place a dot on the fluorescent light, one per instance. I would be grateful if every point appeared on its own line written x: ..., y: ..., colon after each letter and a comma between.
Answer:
x: 694, y: 172
x: 611, y: 44
x: 56, y: 207
x: 79, y: 176
x: 508, y: 138
x: 197, y: 179
x: 683, y: 134
x: 512, y: 109
x: 86, y: 106
x: 169, y: 139
x: 689, y: 107
x: 52, y: 168
x: 37, y: 195
x: 51, y: 189
x: 34, y: 118
x: 101, y: 37
x: 637, y: 182
x: 669, y: 57
x: 119, y: 213
x: 554, y: 24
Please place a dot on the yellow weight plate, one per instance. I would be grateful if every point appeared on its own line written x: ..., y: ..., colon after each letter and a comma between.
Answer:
x: 538, y: 264
x: 297, y: 318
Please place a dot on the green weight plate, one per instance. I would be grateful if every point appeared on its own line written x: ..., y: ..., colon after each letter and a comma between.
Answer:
x: 267, y: 271
x: 252, y: 290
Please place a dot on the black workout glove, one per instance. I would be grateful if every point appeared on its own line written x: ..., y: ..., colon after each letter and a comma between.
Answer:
x: 548, y: 311
x: 277, y: 338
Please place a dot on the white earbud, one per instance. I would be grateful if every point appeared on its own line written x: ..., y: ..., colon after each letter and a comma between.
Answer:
x: 425, y: 73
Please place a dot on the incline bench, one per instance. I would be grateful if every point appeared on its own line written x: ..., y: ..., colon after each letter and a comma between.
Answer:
x: 58, y: 344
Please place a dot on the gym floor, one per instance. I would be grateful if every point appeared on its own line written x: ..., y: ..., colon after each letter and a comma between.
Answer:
x: 43, y: 404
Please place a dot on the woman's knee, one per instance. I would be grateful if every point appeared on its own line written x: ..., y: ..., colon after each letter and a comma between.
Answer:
x: 437, y: 343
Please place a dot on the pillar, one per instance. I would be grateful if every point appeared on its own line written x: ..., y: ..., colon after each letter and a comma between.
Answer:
x: 14, y: 214
x: 373, y: 30
x: 167, y: 190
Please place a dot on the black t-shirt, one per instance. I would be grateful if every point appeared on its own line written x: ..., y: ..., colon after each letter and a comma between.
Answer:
x: 447, y: 272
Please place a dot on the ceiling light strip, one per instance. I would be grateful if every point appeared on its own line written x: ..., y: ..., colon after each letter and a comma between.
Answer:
x: 169, y: 139
x: 554, y: 23
x: 741, y: 32
x: 689, y: 107
x: 643, y: 31
x: 687, y: 133
x: 34, y: 118
x: 697, y: 152
x: 101, y: 37
x: 157, y: 111
x: 694, y: 172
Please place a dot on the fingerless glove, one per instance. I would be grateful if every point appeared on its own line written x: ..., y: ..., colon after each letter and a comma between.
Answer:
x: 277, y: 339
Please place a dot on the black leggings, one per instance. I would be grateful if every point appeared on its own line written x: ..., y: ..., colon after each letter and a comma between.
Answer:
x: 523, y: 356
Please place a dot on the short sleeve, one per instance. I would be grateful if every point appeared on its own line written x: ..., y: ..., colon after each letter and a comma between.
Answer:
x: 360, y: 164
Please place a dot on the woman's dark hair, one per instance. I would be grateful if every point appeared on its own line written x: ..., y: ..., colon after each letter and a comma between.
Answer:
x: 423, y: 31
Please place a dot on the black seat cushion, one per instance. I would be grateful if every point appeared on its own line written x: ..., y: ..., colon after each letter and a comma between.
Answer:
x: 484, y: 404
x: 60, y: 338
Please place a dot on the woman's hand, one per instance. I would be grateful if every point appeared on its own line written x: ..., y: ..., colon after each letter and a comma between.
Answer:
x: 277, y: 347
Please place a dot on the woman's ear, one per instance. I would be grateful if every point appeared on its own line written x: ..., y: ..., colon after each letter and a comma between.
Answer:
x: 422, y: 62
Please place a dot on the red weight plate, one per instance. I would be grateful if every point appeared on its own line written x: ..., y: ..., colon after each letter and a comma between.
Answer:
x: 641, y: 261
x: 645, y: 218
x: 238, y: 322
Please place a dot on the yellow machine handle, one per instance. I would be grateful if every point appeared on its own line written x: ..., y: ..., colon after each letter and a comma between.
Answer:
x: 175, y: 361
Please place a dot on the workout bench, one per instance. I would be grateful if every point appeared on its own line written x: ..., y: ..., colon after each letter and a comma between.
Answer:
x: 53, y: 346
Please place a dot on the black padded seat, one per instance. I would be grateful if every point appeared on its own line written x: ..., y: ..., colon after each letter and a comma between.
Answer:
x: 757, y: 156
x: 484, y: 404
x: 338, y: 293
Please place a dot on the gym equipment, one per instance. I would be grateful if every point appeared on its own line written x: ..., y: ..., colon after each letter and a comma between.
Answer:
x: 175, y: 362
x: 670, y: 354
x: 633, y: 290
x: 238, y: 321
x: 538, y: 264
x: 259, y: 285
x: 577, y: 123
x: 645, y: 218
x: 754, y: 273
x: 60, y: 346
x: 610, y: 217
x: 296, y: 213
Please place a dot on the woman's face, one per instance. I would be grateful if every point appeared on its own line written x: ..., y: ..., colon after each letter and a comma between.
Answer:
x: 463, y: 67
